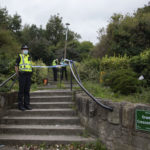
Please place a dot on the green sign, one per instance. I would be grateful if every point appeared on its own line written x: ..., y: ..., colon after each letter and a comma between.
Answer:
x: 142, y: 118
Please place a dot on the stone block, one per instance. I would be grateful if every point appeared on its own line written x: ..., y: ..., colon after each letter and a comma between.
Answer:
x: 142, y: 106
x: 85, y: 107
x: 102, y: 112
x: 128, y: 115
x: 114, y: 116
x: 141, y: 143
x: 92, y: 108
x: 2, y: 101
x: 108, y: 131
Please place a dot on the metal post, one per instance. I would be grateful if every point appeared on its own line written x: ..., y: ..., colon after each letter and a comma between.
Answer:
x: 70, y: 80
x: 60, y: 71
x: 65, y: 53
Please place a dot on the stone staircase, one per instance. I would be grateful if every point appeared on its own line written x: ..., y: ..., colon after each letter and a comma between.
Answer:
x: 51, y: 121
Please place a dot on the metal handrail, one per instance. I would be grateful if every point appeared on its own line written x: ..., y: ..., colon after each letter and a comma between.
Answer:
x: 85, y: 90
x: 76, y: 72
x: 3, y: 83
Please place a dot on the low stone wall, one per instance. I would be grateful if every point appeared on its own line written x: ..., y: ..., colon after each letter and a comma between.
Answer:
x: 115, y: 129
x: 6, y: 101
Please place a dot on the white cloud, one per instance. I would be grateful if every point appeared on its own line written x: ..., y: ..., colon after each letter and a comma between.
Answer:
x: 85, y: 16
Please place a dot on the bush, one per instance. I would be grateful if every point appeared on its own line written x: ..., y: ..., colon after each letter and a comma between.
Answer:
x: 113, y: 63
x: 89, y: 69
x: 39, y: 73
x: 141, y: 65
x: 124, y: 81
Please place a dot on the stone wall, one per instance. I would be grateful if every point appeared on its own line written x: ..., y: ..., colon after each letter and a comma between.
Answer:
x: 115, y: 129
x: 6, y: 101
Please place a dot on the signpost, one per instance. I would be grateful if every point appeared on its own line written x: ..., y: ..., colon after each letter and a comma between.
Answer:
x: 142, y: 120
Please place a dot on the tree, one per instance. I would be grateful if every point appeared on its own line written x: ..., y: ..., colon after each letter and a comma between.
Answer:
x: 55, y: 29
x: 15, y: 23
x: 39, y: 50
x: 125, y: 34
x: 4, y: 18
x: 85, y: 49
x: 8, y: 51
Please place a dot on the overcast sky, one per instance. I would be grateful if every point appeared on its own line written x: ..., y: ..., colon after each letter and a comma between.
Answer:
x: 85, y: 16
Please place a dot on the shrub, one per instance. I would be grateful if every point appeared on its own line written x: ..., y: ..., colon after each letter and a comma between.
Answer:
x: 124, y: 81
x: 141, y: 65
x: 113, y: 63
x: 39, y: 73
x: 89, y: 69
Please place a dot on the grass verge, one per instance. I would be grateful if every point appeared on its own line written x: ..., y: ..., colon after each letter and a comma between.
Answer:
x: 100, y: 91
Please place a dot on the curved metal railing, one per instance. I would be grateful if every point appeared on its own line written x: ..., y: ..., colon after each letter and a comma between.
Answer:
x: 84, y: 89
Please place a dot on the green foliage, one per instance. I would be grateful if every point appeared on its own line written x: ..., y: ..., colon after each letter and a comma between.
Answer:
x: 125, y: 34
x: 124, y: 81
x: 113, y: 63
x: 89, y: 69
x: 84, y: 49
x: 8, y: 52
x: 55, y: 29
x: 72, y: 50
x: 91, y: 146
x: 15, y: 23
x: 141, y: 65
x: 105, y: 92
x: 40, y: 50
x: 39, y: 73
x: 6, y: 87
x: 75, y: 50
x: 4, y: 18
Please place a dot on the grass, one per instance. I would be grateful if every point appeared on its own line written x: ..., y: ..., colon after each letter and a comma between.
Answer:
x: 100, y: 91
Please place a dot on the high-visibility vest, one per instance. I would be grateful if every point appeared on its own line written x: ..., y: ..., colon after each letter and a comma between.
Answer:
x: 62, y: 62
x: 54, y: 62
x: 25, y: 63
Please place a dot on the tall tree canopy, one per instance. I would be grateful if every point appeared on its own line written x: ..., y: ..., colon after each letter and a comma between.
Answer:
x: 129, y: 34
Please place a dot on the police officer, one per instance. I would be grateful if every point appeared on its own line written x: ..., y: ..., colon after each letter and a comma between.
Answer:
x: 54, y: 63
x: 23, y: 69
x: 63, y: 69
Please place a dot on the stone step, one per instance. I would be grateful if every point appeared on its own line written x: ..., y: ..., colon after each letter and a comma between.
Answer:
x: 51, y: 93
x: 50, y: 105
x: 42, y: 129
x: 51, y: 98
x: 8, y: 139
x: 42, y: 112
x: 36, y: 120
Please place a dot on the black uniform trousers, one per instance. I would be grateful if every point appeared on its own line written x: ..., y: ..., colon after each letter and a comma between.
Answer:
x: 24, y: 89
x: 64, y: 70
x: 55, y: 74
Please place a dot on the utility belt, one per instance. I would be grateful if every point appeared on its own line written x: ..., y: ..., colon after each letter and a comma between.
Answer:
x: 25, y: 73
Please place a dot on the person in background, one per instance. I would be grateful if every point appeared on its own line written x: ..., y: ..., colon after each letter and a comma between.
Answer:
x: 63, y: 69
x: 23, y: 69
x: 54, y: 63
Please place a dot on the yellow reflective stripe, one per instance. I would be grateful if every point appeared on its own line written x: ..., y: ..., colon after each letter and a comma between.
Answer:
x: 22, y: 58
x: 25, y: 69
x: 25, y: 64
